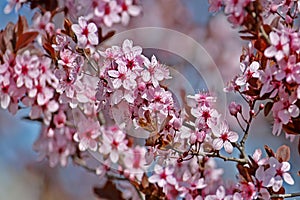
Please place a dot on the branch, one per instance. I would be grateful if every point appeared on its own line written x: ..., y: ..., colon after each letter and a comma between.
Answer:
x: 297, y: 194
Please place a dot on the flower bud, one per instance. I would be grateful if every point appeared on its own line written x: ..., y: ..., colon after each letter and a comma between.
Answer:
x: 234, y: 108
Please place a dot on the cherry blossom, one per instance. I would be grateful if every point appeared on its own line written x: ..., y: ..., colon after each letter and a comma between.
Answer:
x: 279, y: 48
x: 155, y: 72
x: 109, y: 12
x: 13, y: 3
x: 224, y: 137
x: 248, y: 73
x: 163, y: 176
x: 279, y: 172
x: 129, y: 9
x: 114, y: 143
x: 87, y: 134
x: 26, y: 69
x: 123, y: 77
x: 86, y: 32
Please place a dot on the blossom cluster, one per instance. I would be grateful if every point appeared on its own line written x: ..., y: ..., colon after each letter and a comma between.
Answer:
x: 112, y: 103
x: 106, y: 12
x: 269, y: 64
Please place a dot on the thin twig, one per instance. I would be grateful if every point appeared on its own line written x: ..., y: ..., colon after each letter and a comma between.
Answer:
x: 297, y: 194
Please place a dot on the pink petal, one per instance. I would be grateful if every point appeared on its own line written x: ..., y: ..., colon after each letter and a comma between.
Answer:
x: 76, y: 29
x: 5, y: 100
x: 288, y: 178
x: 134, y: 10
x: 92, y: 28
x: 270, y: 51
x: 114, y: 156
x: 82, y: 22
x: 233, y: 136
x: 274, y: 38
x: 93, y: 39
x: 228, y: 147
x: 218, y: 143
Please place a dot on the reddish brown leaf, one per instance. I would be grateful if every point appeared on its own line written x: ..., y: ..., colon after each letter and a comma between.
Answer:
x: 290, y: 129
x: 47, y: 46
x: 244, y: 172
x: 267, y: 28
x: 45, y: 5
x: 283, y: 153
x: 247, y: 37
x: 145, y: 182
x: 22, y: 25
x: 268, y: 108
x: 261, y: 44
x: 25, y: 38
x: 108, y: 192
x: 107, y: 35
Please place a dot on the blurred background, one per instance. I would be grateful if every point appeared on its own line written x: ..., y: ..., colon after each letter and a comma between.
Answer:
x: 22, y: 176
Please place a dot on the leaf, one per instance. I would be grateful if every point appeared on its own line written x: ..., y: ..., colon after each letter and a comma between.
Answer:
x: 244, y: 171
x: 283, y: 153
x: 248, y: 37
x: 108, y: 192
x: 49, y: 49
x: 22, y: 25
x: 25, y: 38
x: 260, y: 44
x: 268, y: 108
x: 107, y: 35
x: 145, y: 182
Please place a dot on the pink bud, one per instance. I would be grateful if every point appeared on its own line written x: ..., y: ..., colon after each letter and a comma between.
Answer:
x: 141, y: 86
x: 59, y: 119
x: 234, y: 108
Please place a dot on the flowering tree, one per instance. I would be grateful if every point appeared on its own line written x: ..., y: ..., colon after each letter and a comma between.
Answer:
x: 97, y: 102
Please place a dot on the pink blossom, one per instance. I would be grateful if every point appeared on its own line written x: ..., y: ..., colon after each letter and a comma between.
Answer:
x: 220, y: 195
x: 61, y: 41
x: 205, y: 117
x: 163, y: 176
x: 86, y: 32
x: 154, y: 72
x: 248, y: 191
x: 280, y: 46
x: 43, y: 22
x: 290, y: 71
x: 13, y: 3
x: 215, y: 5
x: 135, y: 162
x: 109, y: 13
x: 129, y: 9
x: 262, y: 182
x: 87, y: 134
x: 123, y: 77
x: 60, y: 119
x: 67, y: 58
x: 257, y: 157
x: 114, y: 143
x: 224, y: 137
x: 235, y: 7
x: 248, y: 73
x: 234, y: 108
x: 132, y: 56
x: 26, y: 69
x: 41, y: 92
x: 285, y: 108
x: 279, y: 172
x: 56, y: 146
x: 269, y: 84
